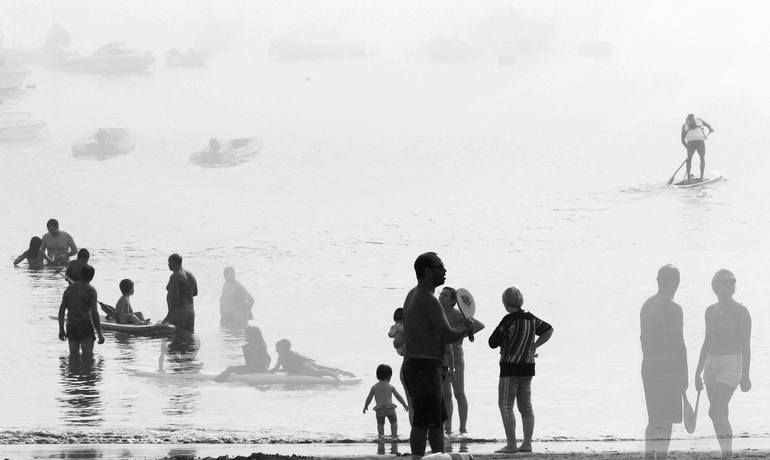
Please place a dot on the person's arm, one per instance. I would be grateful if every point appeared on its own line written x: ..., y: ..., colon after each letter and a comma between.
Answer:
x: 399, y: 398
x: 278, y: 364
x: 368, y: 400
x: 62, y: 309
x: 95, y: 316
x: 543, y: 338
x: 194, y: 290
x: 247, y: 298
x: 496, y: 339
x: 746, y: 351
x: 173, y: 295
x: 681, y: 348
x: 702, y: 356
x: 19, y: 259
x: 43, y: 250
x: 437, y: 317
x: 711, y: 130
x: 684, y: 135
x: 73, y: 248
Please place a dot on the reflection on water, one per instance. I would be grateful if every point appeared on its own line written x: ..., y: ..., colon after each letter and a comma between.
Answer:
x: 392, y: 444
x: 84, y: 454
x: 81, y: 398
x: 178, y: 355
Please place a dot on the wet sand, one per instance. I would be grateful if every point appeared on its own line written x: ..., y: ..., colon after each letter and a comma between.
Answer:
x: 699, y: 448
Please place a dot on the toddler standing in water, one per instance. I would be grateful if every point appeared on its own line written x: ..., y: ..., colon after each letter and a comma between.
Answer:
x: 384, y: 407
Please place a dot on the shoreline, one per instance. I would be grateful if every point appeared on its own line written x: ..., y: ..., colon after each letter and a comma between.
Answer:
x: 387, y: 450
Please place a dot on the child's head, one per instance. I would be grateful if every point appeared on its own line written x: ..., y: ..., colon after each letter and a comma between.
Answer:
x: 283, y: 346
x: 87, y: 273
x: 512, y: 299
x: 253, y: 334
x: 384, y: 372
x: 83, y: 255
x: 126, y: 287
x: 398, y: 314
x: 229, y: 274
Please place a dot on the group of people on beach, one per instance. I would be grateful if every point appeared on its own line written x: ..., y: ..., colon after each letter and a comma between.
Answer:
x: 723, y: 363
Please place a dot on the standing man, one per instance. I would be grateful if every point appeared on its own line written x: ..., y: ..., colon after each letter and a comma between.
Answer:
x: 181, y: 287
x: 58, y: 246
x: 664, y: 362
x: 235, y: 302
x: 427, y: 332
x: 79, y: 303
x: 694, y: 140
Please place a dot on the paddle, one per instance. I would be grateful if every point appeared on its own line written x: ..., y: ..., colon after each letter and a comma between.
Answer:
x: 671, y: 181
x: 467, y: 307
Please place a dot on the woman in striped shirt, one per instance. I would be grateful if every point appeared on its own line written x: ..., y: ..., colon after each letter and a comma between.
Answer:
x: 515, y: 335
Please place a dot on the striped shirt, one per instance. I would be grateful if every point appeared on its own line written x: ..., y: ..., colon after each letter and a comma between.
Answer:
x: 515, y: 335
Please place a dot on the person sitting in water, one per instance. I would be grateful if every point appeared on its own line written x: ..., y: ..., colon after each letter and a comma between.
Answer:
x: 254, y: 353
x: 294, y: 363
x: 235, y: 302
x: 72, y: 273
x: 58, y: 246
x: 33, y: 255
x: 124, y: 314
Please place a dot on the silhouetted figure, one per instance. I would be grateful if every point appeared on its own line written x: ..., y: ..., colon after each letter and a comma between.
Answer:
x: 33, y: 255
x: 72, y: 273
x: 383, y: 393
x: 254, y: 354
x: 725, y: 356
x: 124, y: 313
x: 694, y: 140
x: 396, y: 331
x: 58, y: 246
x: 181, y: 287
x: 515, y: 335
x: 292, y: 362
x: 235, y: 302
x: 79, y: 302
x: 427, y: 333
x: 664, y: 362
x: 448, y: 300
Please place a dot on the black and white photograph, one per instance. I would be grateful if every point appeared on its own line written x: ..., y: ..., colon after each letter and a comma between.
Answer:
x: 380, y: 229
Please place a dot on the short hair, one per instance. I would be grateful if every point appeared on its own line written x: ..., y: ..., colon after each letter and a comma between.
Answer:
x: 398, y: 314
x: 423, y: 261
x: 229, y: 269
x: 283, y: 343
x: 87, y: 273
x: 83, y: 254
x: 126, y: 285
x: 512, y: 297
x: 668, y: 276
x: 52, y: 223
x: 175, y: 258
x: 719, y: 274
x: 384, y: 372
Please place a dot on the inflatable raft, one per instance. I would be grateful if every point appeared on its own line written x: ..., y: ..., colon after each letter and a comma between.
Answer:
x: 257, y: 378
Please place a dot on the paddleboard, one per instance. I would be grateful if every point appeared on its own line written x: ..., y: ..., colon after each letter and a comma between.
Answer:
x: 257, y: 378
x: 134, y: 329
x: 699, y: 183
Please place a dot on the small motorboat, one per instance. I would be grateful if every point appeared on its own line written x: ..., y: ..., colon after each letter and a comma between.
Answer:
x: 231, y: 153
x: 104, y: 143
x: 189, y: 58
x: 113, y: 57
x: 20, y: 126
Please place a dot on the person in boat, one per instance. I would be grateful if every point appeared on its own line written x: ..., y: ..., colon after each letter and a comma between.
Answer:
x: 57, y: 245
x: 254, y: 353
x: 79, y: 303
x: 33, y: 255
x: 725, y: 357
x: 214, y: 146
x: 664, y: 362
x: 181, y: 289
x: 101, y: 136
x: 693, y: 138
x: 124, y: 314
x: 235, y: 302
x: 292, y: 362
x: 72, y: 273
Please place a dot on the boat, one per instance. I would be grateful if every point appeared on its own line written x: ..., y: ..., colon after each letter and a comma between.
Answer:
x: 11, y: 77
x: 288, y: 50
x: 189, y: 58
x: 695, y: 182
x: 20, y: 126
x: 112, y: 57
x: 256, y: 378
x: 231, y: 153
x: 152, y: 330
x: 104, y: 143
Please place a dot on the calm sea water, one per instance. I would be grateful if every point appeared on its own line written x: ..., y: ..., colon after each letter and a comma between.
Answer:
x: 548, y: 175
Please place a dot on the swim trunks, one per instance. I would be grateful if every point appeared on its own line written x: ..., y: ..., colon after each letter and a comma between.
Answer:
x: 80, y: 330
x: 423, y: 381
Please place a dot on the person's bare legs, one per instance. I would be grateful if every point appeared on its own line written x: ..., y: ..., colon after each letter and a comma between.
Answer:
x: 446, y: 389
x: 506, y: 396
x: 74, y: 349
x: 690, y: 151
x: 719, y: 396
x: 524, y: 401
x: 87, y: 348
x: 458, y: 388
x: 380, y: 426
x: 417, y: 440
x: 436, y: 438
x: 702, y: 164
x: 657, y: 438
